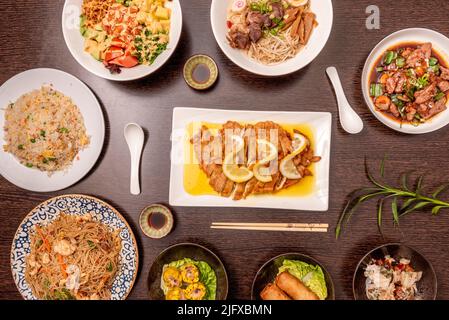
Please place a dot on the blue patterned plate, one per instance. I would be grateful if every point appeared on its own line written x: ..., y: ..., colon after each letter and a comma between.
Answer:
x: 76, y: 205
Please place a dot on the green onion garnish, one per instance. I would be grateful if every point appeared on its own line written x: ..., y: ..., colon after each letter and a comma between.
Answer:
x: 433, y: 61
x: 376, y: 90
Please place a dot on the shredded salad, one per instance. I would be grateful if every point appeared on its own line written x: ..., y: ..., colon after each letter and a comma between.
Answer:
x: 390, y: 279
x: 125, y: 33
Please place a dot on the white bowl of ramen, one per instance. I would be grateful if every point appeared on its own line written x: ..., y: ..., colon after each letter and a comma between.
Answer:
x: 223, y: 13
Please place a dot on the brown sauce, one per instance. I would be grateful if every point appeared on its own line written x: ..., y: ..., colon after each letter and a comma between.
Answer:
x: 201, y: 73
x: 157, y: 220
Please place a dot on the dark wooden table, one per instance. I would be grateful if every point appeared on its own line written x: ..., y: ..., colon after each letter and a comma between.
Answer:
x: 31, y: 37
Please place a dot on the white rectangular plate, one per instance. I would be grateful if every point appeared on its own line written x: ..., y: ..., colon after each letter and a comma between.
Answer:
x: 320, y: 123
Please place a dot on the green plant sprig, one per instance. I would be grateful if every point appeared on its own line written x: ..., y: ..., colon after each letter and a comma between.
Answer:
x: 405, y: 199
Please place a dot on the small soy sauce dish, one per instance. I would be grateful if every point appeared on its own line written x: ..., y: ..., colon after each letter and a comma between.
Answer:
x: 200, y: 72
x: 156, y: 221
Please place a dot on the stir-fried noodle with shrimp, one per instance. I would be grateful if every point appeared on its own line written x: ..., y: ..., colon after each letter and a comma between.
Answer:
x: 73, y: 257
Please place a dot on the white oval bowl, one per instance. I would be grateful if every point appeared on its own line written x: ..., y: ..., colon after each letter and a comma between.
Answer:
x: 440, y: 43
x: 324, y: 15
x: 75, y: 42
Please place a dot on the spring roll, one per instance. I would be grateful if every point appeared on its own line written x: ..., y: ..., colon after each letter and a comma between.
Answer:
x: 294, y: 287
x: 272, y: 292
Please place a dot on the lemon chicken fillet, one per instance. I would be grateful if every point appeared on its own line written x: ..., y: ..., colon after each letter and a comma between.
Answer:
x: 211, y: 150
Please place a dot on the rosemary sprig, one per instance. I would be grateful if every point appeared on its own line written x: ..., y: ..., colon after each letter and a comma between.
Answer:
x: 405, y: 199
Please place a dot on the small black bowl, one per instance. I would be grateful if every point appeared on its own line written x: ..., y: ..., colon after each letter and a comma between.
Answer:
x: 427, y: 286
x: 268, y: 272
x: 181, y: 251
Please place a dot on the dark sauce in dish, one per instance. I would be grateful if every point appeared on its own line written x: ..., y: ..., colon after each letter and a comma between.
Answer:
x: 157, y: 220
x: 201, y: 73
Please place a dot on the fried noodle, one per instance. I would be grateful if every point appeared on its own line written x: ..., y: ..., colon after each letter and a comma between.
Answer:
x: 73, y: 257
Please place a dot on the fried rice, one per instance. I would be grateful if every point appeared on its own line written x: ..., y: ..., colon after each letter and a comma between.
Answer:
x: 44, y: 129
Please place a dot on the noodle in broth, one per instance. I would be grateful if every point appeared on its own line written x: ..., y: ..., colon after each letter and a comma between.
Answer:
x: 280, y: 41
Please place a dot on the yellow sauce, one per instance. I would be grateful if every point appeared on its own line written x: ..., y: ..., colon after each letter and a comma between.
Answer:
x: 197, y: 183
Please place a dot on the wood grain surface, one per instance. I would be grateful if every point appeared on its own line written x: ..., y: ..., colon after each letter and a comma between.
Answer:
x: 31, y: 37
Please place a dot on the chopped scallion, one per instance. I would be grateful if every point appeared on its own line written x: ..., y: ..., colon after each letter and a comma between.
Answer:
x: 400, y: 62
x: 440, y: 96
x: 389, y: 57
x: 91, y: 244
x: 376, y: 90
x: 433, y: 61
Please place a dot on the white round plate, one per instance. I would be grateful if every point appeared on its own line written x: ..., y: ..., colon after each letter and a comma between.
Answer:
x: 440, y: 44
x: 75, y: 42
x: 77, y: 205
x: 324, y: 15
x: 33, y: 179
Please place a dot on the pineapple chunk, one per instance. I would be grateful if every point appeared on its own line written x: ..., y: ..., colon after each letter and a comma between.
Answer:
x: 147, y: 5
x: 149, y: 20
x: 165, y: 25
x: 89, y: 44
x: 156, y: 27
x: 163, y: 38
x: 162, y: 13
x: 141, y: 17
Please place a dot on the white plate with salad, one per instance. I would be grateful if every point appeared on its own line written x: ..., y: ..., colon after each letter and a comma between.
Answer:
x: 122, y: 40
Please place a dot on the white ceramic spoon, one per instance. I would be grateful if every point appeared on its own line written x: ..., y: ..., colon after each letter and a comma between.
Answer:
x: 134, y: 137
x: 349, y: 119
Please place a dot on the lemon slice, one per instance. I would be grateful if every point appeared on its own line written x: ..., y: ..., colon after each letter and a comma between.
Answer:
x: 287, y: 167
x: 297, y: 3
x: 231, y: 170
x: 261, y: 172
x: 237, y: 174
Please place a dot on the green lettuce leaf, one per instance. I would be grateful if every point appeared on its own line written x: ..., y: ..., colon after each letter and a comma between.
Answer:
x: 311, y: 276
x: 208, y: 278
x: 178, y: 264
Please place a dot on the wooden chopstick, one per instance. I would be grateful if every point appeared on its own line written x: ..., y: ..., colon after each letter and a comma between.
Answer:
x: 270, y: 229
x: 291, y: 227
x: 268, y: 224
